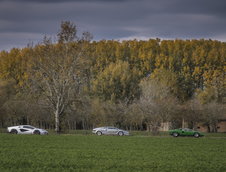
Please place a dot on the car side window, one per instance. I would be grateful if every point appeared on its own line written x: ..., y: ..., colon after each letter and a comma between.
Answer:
x: 28, y: 127
x: 187, y: 129
x: 23, y: 130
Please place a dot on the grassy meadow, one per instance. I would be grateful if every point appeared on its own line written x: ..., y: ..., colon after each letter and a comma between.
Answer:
x: 85, y: 152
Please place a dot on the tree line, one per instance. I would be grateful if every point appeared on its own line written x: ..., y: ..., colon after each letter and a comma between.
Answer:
x: 77, y: 83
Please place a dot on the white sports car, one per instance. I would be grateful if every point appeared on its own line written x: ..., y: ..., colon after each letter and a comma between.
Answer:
x: 26, y: 129
x: 109, y: 131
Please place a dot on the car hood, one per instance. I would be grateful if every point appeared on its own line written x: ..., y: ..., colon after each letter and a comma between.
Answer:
x: 13, y: 127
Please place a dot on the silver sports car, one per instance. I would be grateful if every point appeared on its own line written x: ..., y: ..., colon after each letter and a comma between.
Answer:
x: 109, y: 131
x: 26, y: 129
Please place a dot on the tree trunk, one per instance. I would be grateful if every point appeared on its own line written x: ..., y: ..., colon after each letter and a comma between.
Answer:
x: 183, y: 123
x: 57, y: 122
x: 69, y: 125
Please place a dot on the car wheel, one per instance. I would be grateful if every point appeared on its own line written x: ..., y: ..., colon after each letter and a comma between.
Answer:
x: 13, y: 131
x: 120, y: 133
x: 99, y: 133
x: 196, y: 135
x: 175, y: 134
x: 36, y: 132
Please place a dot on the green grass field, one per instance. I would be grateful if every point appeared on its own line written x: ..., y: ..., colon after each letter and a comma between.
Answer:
x: 111, y: 153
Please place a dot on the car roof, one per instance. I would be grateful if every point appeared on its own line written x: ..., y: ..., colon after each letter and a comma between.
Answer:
x: 27, y: 125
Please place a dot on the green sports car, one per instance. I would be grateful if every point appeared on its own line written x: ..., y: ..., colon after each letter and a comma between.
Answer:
x: 185, y: 132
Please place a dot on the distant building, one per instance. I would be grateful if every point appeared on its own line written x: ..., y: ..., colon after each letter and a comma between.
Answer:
x: 220, y: 128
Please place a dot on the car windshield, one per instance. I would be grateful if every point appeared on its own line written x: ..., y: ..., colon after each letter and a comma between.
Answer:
x: 112, y: 128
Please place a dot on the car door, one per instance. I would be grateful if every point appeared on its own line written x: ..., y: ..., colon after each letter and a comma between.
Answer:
x: 112, y: 130
x: 26, y: 130
x: 186, y: 132
x: 104, y: 130
x: 189, y: 132
x: 183, y: 132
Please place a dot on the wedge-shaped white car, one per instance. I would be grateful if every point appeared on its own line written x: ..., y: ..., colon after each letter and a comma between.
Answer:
x: 109, y: 131
x: 26, y: 129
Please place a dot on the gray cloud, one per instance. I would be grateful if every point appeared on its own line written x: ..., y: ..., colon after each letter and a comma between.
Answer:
x: 25, y: 20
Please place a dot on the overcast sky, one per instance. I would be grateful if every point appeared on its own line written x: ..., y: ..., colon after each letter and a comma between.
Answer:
x: 26, y: 21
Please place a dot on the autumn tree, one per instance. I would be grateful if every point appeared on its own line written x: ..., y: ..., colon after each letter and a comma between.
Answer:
x: 111, y: 71
x: 117, y: 82
x: 7, y: 93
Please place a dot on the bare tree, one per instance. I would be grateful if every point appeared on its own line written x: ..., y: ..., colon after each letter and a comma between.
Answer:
x: 55, y: 71
x: 134, y: 116
x: 191, y: 112
x: 87, y: 36
x: 213, y: 112
x: 67, y: 33
x: 156, y: 103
